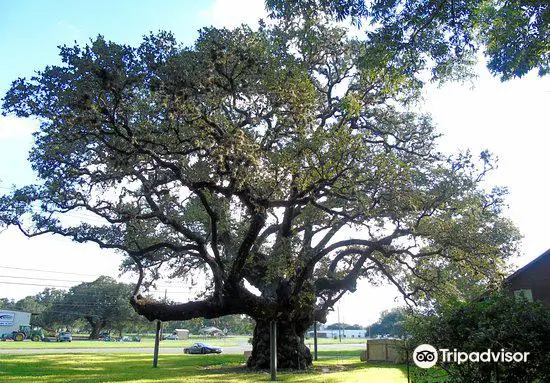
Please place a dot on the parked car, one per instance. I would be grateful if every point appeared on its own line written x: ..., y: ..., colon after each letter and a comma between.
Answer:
x: 171, y: 337
x: 64, y: 336
x: 201, y: 348
x: 104, y: 336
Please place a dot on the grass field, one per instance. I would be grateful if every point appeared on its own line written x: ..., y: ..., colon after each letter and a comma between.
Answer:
x: 228, y: 341
x: 136, y: 368
x: 98, y: 344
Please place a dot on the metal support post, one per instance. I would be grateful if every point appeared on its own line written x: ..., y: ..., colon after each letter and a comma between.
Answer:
x: 273, y: 349
x: 156, y: 350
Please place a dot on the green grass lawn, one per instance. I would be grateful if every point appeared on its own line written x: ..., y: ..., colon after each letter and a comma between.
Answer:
x: 147, y: 341
x: 136, y: 368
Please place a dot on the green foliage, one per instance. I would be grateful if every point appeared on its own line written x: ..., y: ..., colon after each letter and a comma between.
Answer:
x: 496, y: 321
x: 234, y: 324
x: 58, y: 309
x: 444, y: 35
x: 516, y: 35
x: 7, y: 304
x: 39, y: 305
x: 343, y: 326
x: 249, y: 157
x: 103, y: 304
x: 391, y: 322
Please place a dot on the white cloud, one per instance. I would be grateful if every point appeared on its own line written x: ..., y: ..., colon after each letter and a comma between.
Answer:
x: 226, y: 13
x: 13, y: 127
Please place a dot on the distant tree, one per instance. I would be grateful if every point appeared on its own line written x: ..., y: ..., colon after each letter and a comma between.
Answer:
x: 513, y: 35
x: 391, y: 323
x: 343, y: 326
x: 193, y: 325
x: 29, y: 304
x: 288, y: 158
x: 7, y: 304
x: 102, y: 303
x: 47, y: 299
x: 234, y: 324
x: 38, y: 305
x: 333, y: 326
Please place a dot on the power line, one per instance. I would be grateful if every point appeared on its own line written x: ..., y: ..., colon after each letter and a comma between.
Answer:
x: 161, y: 285
x: 194, y: 291
x: 48, y: 271
x: 31, y: 284
x: 43, y: 279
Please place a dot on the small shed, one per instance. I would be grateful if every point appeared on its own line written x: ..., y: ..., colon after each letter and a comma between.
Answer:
x: 385, y: 350
x: 182, y: 333
x: 11, y: 320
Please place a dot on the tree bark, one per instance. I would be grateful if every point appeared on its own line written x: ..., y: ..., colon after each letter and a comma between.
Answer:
x: 292, y: 353
x: 95, y: 332
x: 97, y: 326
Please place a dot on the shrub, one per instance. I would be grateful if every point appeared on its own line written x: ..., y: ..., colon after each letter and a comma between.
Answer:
x: 497, y: 321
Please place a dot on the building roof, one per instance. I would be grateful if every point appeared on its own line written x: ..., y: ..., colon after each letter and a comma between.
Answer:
x: 534, y: 263
x: 16, y: 311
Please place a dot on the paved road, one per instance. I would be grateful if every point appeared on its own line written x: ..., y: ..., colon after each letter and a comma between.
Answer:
x: 163, y: 350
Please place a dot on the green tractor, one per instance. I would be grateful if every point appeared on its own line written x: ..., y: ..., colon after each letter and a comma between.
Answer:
x: 27, y: 332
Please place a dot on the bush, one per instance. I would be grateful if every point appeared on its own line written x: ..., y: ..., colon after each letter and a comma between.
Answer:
x: 496, y: 321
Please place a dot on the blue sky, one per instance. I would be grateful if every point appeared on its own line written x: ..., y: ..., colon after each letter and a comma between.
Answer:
x: 509, y: 118
x: 32, y: 30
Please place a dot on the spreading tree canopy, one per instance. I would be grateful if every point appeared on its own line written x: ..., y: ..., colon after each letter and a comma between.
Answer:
x: 285, y: 158
x: 514, y: 35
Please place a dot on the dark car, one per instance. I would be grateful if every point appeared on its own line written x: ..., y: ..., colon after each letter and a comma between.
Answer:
x: 104, y: 336
x: 64, y: 336
x: 201, y: 348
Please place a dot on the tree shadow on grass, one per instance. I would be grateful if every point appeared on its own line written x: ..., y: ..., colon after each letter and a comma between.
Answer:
x: 137, y: 368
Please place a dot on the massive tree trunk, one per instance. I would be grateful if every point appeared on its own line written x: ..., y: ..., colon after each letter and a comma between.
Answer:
x: 291, y: 350
x: 292, y: 309
x: 97, y: 326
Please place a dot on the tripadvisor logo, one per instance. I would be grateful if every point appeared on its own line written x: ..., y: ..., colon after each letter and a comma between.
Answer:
x: 426, y: 356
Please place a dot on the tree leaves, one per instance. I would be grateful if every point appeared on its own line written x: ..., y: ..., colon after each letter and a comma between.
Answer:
x: 250, y: 156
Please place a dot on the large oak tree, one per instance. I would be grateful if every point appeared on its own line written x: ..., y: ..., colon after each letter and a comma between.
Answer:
x: 285, y: 159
